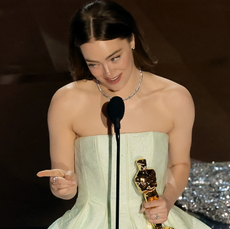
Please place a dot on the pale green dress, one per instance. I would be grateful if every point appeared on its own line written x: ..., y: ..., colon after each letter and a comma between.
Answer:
x: 95, y: 159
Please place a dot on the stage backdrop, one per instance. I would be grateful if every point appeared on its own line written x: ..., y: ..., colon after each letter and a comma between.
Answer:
x: 191, y: 41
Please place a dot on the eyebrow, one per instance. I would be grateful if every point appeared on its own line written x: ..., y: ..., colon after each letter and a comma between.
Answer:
x: 106, y: 57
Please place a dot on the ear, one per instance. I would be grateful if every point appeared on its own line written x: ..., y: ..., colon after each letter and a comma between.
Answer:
x: 132, y: 42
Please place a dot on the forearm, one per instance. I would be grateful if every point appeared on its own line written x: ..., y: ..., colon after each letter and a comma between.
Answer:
x: 176, y: 181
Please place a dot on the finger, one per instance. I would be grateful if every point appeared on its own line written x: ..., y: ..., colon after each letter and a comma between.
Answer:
x: 53, y: 180
x: 158, y: 218
x: 142, y: 208
x: 152, y: 211
x: 63, y: 191
x: 69, y: 175
x: 60, y: 184
x: 60, y: 181
x: 155, y: 203
x: 150, y: 204
x: 61, y: 188
x: 51, y: 173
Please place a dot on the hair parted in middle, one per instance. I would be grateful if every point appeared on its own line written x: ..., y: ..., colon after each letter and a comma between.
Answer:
x: 102, y: 21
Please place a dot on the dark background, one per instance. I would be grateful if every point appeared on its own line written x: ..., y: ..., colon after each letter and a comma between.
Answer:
x: 190, y: 38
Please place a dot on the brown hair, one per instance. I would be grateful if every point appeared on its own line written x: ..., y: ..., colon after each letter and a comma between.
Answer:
x: 103, y: 20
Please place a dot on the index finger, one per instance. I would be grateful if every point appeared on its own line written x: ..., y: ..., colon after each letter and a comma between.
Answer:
x: 151, y: 204
x: 51, y: 173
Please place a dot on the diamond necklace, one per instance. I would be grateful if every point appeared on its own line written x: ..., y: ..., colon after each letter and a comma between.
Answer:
x: 129, y: 97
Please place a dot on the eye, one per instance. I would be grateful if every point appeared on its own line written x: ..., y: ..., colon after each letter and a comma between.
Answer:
x: 116, y: 58
x: 93, y: 65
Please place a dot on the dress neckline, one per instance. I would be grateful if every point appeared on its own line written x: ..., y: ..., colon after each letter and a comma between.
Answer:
x: 122, y: 134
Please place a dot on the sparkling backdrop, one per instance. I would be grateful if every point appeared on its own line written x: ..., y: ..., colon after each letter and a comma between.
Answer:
x: 208, y: 191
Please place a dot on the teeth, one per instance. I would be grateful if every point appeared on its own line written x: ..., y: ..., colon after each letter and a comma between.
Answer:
x: 114, y: 78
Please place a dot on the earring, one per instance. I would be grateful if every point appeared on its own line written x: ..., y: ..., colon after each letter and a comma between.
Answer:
x: 133, y: 48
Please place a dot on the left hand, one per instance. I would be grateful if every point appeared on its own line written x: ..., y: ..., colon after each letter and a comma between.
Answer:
x: 156, y: 211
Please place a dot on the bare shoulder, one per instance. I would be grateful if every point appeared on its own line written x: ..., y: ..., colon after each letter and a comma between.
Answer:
x: 72, y: 94
x: 176, y: 93
x: 175, y: 96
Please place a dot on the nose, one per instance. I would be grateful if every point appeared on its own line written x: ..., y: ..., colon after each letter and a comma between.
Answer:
x: 107, y: 71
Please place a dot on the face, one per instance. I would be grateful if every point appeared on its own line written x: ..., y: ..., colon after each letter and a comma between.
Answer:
x: 111, y: 62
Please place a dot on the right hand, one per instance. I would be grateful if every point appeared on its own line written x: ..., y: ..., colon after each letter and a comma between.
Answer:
x: 61, y: 182
x: 157, y: 207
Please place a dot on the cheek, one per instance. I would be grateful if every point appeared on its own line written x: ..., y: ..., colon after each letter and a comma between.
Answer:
x: 127, y: 60
x: 95, y: 71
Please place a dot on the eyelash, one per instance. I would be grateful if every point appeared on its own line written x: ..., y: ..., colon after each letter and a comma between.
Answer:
x: 91, y: 65
x: 115, y: 58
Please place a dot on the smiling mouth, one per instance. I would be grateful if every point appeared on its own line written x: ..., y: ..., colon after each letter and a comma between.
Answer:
x: 113, y: 79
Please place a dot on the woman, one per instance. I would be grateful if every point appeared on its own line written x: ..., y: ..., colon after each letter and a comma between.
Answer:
x: 108, y: 59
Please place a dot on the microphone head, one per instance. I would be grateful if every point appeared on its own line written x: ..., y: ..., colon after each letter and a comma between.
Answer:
x: 116, y: 110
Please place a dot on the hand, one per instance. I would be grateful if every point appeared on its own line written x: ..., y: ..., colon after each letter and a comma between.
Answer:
x: 156, y: 211
x: 61, y: 181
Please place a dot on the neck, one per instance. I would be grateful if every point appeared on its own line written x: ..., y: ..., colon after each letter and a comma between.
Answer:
x: 133, y: 85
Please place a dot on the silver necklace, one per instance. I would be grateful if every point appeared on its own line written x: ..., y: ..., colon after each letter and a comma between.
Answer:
x: 129, y: 97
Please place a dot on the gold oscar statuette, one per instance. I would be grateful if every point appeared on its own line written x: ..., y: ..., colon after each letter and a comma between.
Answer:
x: 146, y: 182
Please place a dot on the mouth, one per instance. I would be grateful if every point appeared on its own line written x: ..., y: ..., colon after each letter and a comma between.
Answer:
x: 114, y: 80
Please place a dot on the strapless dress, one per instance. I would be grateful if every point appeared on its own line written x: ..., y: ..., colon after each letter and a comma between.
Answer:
x: 95, y: 161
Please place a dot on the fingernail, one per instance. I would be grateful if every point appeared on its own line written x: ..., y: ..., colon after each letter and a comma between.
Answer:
x: 74, y: 182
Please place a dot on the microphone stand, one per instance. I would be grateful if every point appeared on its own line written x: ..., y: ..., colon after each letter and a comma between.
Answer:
x: 115, y: 111
x: 117, y: 131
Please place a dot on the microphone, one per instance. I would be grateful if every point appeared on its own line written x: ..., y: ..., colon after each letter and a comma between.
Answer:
x: 115, y: 111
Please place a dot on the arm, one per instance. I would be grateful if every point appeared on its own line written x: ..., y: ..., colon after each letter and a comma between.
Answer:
x: 180, y: 138
x: 62, y: 139
x: 181, y: 108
